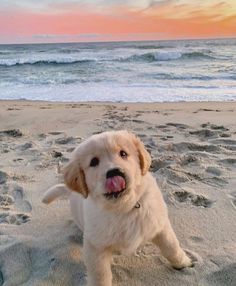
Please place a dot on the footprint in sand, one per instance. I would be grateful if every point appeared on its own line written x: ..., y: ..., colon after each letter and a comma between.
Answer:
x: 14, y: 255
x: 205, y: 133
x: 226, y: 144
x: 65, y: 140
x: 184, y: 147
x: 218, y: 127
x: 3, y: 177
x: 11, y: 133
x: 20, y: 202
x: 214, y: 171
x: 6, y: 201
x: 233, y: 199
x: 1, y: 278
x: 196, y: 239
x: 229, y: 161
x: 158, y: 164
x: 188, y: 159
x: 212, y: 130
x: 207, y: 109
x: 13, y: 218
x: 55, y: 133
x: 25, y: 146
x: 14, y: 209
x: 224, y: 276
x: 194, y: 199
x: 178, y: 125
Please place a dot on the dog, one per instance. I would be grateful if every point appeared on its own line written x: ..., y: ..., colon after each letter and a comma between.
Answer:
x: 116, y: 203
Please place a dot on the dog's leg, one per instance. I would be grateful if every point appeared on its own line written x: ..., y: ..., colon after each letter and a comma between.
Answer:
x: 171, y: 249
x: 98, y: 265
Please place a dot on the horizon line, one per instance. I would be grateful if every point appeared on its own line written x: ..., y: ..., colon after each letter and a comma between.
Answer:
x: 119, y: 41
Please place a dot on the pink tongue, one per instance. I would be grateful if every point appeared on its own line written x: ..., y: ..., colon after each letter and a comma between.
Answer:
x: 115, y: 184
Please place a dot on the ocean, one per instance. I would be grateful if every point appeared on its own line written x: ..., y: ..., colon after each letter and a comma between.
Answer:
x: 155, y: 71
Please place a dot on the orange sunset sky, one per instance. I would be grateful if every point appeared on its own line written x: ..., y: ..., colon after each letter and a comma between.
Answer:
x: 30, y: 21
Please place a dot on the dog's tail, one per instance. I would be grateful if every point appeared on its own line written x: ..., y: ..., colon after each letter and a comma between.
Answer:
x: 54, y: 193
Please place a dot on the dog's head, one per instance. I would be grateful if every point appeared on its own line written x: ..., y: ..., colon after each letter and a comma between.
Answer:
x: 109, y: 167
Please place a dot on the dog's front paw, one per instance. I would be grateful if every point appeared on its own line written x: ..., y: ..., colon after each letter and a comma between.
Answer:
x: 185, y: 261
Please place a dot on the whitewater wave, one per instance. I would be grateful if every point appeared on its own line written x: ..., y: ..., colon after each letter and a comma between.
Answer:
x: 168, y: 56
x: 136, y: 57
x: 5, y: 53
x: 151, y: 47
x: 20, y: 62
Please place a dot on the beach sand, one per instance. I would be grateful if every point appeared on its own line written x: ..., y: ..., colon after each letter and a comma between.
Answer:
x: 193, y: 147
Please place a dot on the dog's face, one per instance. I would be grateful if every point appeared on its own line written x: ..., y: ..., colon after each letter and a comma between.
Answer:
x: 109, y: 168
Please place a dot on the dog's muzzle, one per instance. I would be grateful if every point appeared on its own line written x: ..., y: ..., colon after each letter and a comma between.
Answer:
x: 115, y: 183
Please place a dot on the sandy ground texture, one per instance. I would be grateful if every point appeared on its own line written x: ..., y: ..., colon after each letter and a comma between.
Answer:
x: 193, y: 147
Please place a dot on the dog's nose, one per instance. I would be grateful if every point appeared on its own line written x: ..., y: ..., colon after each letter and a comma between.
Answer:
x: 114, y: 172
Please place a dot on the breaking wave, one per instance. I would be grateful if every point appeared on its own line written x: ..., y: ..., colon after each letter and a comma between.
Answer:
x: 10, y: 63
x: 137, y: 57
x: 168, y: 56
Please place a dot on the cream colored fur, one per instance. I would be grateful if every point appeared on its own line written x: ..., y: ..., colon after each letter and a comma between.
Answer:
x: 116, y: 224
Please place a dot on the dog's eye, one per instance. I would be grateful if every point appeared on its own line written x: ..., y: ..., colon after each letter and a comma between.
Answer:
x: 94, y: 162
x: 123, y: 154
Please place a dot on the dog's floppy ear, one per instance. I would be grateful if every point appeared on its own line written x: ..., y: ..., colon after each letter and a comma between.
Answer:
x: 144, y: 156
x: 75, y: 179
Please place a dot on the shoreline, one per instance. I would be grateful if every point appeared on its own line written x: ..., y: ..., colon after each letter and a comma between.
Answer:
x: 17, y: 101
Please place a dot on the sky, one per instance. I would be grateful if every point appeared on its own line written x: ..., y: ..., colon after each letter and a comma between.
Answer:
x: 48, y: 21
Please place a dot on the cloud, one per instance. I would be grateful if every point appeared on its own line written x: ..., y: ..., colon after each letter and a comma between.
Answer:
x: 64, y: 36
x: 24, y: 4
x: 94, y: 36
x: 89, y: 37
x: 118, y: 7
x: 64, y: 4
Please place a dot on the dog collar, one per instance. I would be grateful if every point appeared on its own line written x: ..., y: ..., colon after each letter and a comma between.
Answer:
x: 137, y: 206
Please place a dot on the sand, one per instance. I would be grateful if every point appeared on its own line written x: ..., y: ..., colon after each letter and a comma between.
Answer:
x: 193, y: 147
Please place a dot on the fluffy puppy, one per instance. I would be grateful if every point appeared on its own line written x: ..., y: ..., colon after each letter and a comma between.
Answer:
x: 116, y: 202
